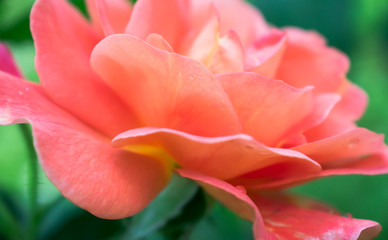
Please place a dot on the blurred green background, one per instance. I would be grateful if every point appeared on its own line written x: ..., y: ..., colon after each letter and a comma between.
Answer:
x: 357, y: 27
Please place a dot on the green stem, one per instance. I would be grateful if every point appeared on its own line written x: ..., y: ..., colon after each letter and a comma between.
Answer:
x: 33, y: 186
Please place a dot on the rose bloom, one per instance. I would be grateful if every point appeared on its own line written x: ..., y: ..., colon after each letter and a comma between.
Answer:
x: 204, y: 88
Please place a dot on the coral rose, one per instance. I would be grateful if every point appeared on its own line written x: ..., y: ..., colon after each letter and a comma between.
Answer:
x: 205, y: 88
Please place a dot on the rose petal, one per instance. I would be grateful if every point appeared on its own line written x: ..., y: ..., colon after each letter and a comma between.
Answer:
x: 292, y: 218
x: 249, y: 27
x: 108, y: 182
x: 260, y: 102
x: 64, y: 41
x: 201, y: 44
x: 164, y: 89
x: 353, y: 103
x: 233, y: 198
x: 229, y: 56
x: 166, y: 18
x: 308, y: 61
x: 265, y: 55
x: 111, y: 16
x: 221, y: 157
x: 323, y: 105
x: 334, y: 124
x: 358, y: 151
x: 351, y: 144
x: 158, y: 41
x: 7, y: 63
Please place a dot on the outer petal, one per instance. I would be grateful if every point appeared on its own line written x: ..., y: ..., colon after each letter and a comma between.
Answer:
x: 63, y: 42
x: 294, y: 218
x: 308, y: 61
x: 166, y: 18
x: 220, y: 157
x: 358, y: 151
x: 267, y: 108
x: 347, y: 146
x: 108, y: 182
x: 234, y: 198
x: 164, y: 89
x: 7, y: 63
x: 110, y: 16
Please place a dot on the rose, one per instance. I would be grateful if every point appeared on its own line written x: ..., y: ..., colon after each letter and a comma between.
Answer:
x: 191, y: 84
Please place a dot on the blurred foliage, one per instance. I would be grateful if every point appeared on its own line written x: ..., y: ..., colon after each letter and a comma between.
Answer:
x: 358, y: 27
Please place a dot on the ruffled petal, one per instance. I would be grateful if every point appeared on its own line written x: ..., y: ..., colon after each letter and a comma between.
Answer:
x: 164, y: 89
x: 111, y: 16
x: 292, y: 218
x: 308, y: 61
x: 234, y: 198
x: 64, y: 41
x: 108, y: 182
x: 166, y: 18
x: 7, y: 63
x: 261, y: 102
x: 220, y: 157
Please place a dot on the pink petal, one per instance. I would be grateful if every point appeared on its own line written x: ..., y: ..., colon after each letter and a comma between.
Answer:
x: 241, y: 17
x: 353, y: 103
x: 333, y: 125
x: 166, y: 18
x: 220, y: 157
x: 108, y: 182
x: 229, y: 56
x: 265, y: 55
x: 64, y: 41
x: 267, y: 108
x: 7, y: 64
x: 323, y: 105
x: 357, y: 151
x: 109, y: 16
x: 342, y: 116
x: 351, y: 144
x: 164, y: 89
x: 294, y: 218
x: 158, y: 41
x: 202, y: 41
x: 308, y: 61
x: 234, y: 198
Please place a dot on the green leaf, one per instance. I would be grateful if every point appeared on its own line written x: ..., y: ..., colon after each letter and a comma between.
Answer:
x: 24, y: 54
x: 64, y: 220
x: 13, y: 11
x: 166, y: 206
x: 14, y: 162
x: 9, y: 226
x: 223, y: 224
